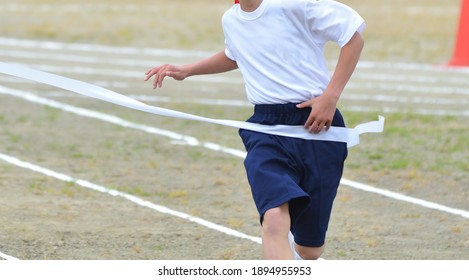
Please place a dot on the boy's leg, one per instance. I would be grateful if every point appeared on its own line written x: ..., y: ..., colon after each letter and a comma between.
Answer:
x: 275, y: 229
x: 275, y: 242
x: 309, y: 253
x: 321, y: 182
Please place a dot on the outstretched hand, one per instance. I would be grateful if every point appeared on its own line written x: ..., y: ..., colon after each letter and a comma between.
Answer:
x: 322, y: 113
x: 163, y: 71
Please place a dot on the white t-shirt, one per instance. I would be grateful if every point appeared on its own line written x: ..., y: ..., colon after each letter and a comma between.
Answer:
x: 279, y: 46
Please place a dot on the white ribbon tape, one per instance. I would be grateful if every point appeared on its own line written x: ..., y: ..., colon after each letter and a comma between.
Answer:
x: 338, y: 134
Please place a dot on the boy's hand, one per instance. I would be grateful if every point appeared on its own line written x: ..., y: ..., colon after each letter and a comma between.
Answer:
x: 322, y: 113
x: 163, y: 71
x: 324, y: 106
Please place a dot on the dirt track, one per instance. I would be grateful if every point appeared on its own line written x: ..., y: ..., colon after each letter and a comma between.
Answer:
x: 45, y: 218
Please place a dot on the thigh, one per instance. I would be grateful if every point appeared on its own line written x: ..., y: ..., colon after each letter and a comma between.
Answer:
x: 323, y: 172
x: 271, y: 171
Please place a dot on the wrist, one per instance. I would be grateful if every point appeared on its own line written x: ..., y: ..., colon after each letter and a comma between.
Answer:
x: 332, y: 95
x: 186, y: 71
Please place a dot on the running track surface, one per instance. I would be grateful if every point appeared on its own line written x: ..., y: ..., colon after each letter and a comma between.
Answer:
x: 380, y: 87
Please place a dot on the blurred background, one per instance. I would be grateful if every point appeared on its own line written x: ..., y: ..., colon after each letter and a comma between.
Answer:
x: 403, y: 74
x: 418, y: 31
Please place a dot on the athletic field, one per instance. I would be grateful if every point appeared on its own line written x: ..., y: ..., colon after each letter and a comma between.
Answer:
x: 84, y: 179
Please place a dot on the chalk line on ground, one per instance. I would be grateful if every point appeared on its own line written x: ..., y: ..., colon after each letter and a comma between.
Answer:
x: 189, y: 140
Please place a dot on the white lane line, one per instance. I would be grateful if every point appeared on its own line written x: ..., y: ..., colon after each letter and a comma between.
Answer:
x: 194, y: 142
x: 244, y: 103
x: 73, y: 8
x: 159, y: 208
x: 401, y: 66
x: 160, y: 99
x: 429, y: 10
x: 86, y: 59
x: 178, y: 138
x: 7, y: 257
x: 70, y: 8
x: 59, y: 46
x: 101, y: 83
x: 352, y: 97
x: 388, y: 98
x: 416, y: 111
x: 137, y: 62
x: 401, y: 197
x: 223, y: 79
x: 411, y: 77
x: 439, y: 90
x: 392, y: 99
x: 113, y: 72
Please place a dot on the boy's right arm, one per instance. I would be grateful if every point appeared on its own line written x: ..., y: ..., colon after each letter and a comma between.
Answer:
x: 217, y: 63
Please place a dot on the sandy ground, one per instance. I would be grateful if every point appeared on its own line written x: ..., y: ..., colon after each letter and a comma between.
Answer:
x: 46, y: 218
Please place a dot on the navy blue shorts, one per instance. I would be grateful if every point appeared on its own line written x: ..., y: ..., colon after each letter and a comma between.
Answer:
x: 305, y: 173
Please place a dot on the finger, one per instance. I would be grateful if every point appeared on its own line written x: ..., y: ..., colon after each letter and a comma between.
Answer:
x: 309, y: 122
x: 320, y: 127
x: 310, y: 125
x: 305, y: 104
x: 150, y: 73
x: 316, y: 126
x: 313, y: 128
x: 160, y: 77
x: 301, y: 105
x: 147, y: 76
x: 155, y: 80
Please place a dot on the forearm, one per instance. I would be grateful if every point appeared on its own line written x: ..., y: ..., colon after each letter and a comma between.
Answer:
x: 348, y: 59
x: 217, y: 63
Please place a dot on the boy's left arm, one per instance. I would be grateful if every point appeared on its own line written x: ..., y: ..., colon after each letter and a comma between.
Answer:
x: 324, y: 106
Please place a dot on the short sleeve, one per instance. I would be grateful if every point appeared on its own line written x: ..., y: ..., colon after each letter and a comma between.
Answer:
x: 332, y: 21
x: 228, y: 53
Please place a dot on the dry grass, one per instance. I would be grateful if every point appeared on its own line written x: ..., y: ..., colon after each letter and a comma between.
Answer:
x: 419, y: 31
x: 423, y: 156
x: 163, y: 24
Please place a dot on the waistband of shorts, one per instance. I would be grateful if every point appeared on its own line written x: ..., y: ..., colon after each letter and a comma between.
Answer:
x: 278, y: 108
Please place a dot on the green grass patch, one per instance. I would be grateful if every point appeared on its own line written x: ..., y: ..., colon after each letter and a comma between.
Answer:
x: 427, y: 143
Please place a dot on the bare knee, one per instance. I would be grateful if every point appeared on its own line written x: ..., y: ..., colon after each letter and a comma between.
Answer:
x: 310, y: 253
x: 276, y: 221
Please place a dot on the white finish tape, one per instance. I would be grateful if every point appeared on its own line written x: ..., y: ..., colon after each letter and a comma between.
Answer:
x: 338, y: 134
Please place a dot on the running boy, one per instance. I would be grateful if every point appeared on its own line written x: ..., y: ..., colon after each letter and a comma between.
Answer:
x: 278, y: 47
